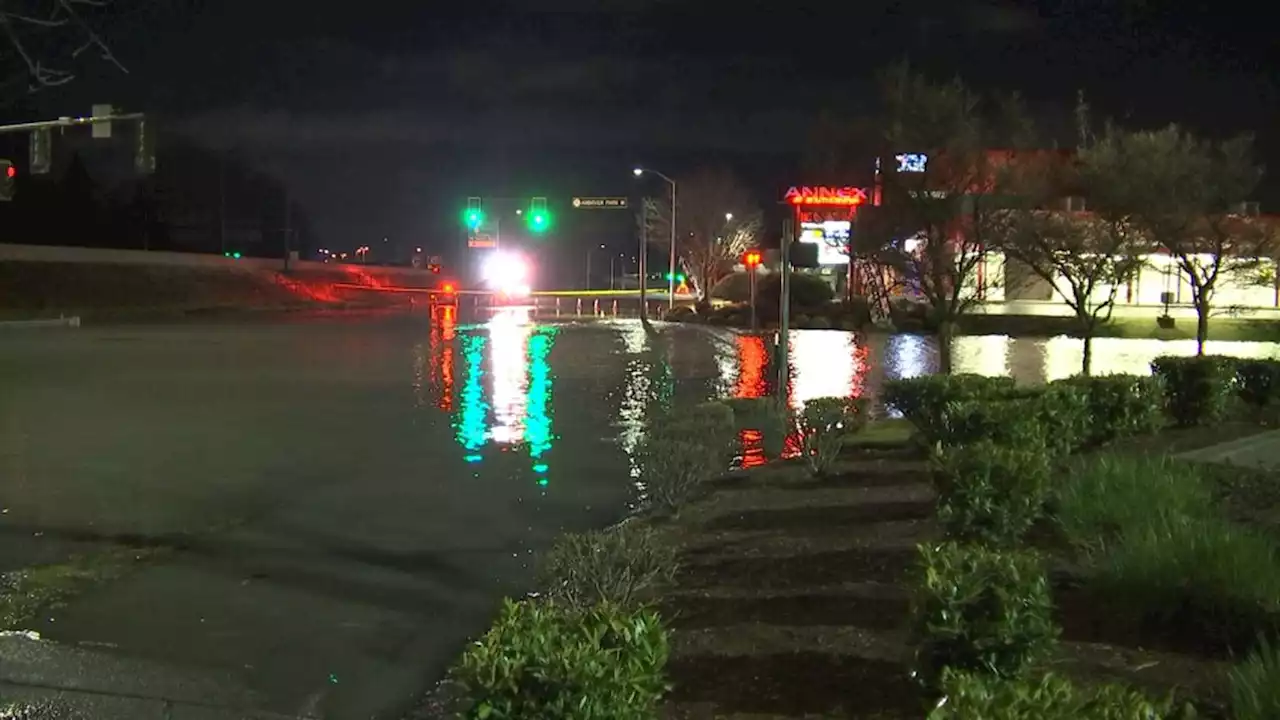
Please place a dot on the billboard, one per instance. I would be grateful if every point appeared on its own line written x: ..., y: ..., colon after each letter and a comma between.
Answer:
x: 832, y: 239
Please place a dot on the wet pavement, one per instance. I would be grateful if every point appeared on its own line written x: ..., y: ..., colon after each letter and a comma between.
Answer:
x: 377, y: 487
x: 340, y: 504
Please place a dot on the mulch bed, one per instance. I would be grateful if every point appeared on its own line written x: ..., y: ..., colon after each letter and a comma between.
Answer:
x: 801, y: 559
x: 796, y: 683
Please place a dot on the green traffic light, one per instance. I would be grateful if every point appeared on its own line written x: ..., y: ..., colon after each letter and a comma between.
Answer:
x: 473, y: 219
x: 539, y: 221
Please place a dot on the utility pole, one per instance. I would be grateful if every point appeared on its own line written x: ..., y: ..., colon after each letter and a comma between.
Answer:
x: 784, y: 311
x: 644, y: 254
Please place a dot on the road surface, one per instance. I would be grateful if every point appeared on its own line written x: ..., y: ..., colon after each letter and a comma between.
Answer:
x: 376, y: 488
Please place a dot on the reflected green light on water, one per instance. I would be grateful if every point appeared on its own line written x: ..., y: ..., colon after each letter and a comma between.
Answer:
x: 472, y: 432
x: 516, y: 409
x: 537, y: 425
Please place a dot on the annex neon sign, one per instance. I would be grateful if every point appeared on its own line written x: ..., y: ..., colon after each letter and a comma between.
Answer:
x: 822, y: 195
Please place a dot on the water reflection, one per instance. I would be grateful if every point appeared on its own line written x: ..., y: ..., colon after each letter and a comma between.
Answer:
x: 825, y: 364
x: 508, y: 334
x: 513, y: 411
x: 834, y: 363
x: 753, y: 359
x: 637, y: 392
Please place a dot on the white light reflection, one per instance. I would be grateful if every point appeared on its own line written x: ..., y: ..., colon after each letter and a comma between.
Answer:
x: 907, y: 356
x: 724, y: 347
x: 981, y: 355
x: 509, y: 331
x: 1064, y: 355
x: 636, y: 393
x: 824, y: 364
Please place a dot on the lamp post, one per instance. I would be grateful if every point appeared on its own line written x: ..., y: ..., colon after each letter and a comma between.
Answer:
x: 671, y: 275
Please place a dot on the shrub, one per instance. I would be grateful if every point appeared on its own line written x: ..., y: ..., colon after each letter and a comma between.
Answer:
x: 543, y: 660
x: 1201, y: 572
x: 1255, y: 684
x: 1119, y: 405
x: 680, y: 313
x: 1064, y: 415
x: 713, y: 421
x: 1258, y: 383
x: 619, y: 565
x: 1107, y: 494
x: 808, y: 292
x: 980, y: 609
x: 969, y: 696
x: 1014, y: 422
x: 825, y: 423
x: 990, y: 494
x: 674, y: 462
x: 926, y: 401
x: 766, y: 415
x: 1198, y: 390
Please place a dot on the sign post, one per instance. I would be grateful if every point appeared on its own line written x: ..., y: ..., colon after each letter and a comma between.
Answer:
x: 784, y: 312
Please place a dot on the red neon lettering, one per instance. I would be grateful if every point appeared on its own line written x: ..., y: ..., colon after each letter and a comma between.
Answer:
x: 821, y: 195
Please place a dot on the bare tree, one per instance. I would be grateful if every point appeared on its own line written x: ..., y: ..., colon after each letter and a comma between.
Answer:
x: 1084, y: 257
x: 1185, y: 194
x: 46, y: 36
x: 934, y: 228
x: 716, y: 222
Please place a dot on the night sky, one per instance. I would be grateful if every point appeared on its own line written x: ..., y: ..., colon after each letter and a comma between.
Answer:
x: 383, y: 115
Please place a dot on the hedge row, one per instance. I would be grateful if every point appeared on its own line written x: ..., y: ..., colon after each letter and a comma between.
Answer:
x: 982, y: 612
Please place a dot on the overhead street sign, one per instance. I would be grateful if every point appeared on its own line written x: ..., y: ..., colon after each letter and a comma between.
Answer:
x: 600, y: 203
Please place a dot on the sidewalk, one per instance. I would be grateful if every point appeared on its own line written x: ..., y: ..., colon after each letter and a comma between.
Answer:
x: 1261, y: 451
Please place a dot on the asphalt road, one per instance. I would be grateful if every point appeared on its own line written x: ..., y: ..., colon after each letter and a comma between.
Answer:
x: 374, y: 488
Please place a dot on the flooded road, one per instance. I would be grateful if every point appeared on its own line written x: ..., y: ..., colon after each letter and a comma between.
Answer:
x: 373, y: 486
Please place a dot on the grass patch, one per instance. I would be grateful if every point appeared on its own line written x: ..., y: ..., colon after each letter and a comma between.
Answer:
x: 24, y: 594
x: 883, y: 433
x: 1255, y: 684
x: 1106, y: 494
x: 1204, y: 576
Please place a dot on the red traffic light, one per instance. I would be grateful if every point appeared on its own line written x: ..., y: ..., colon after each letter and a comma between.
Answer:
x: 11, y: 171
x: 751, y: 259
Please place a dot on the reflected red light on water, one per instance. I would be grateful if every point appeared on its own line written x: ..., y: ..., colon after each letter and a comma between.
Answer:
x: 752, y: 361
x: 443, y: 331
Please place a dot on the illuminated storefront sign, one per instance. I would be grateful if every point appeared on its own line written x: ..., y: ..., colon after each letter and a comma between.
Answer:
x: 912, y: 162
x: 832, y: 239
x: 820, y: 195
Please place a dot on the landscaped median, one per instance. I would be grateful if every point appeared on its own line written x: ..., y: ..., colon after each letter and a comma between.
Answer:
x: 1003, y: 553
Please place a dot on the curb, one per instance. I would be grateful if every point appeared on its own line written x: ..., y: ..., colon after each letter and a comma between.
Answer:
x: 73, y: 321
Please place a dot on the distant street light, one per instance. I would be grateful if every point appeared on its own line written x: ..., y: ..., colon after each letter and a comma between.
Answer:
x: 728, y: 217
x: 671, y: 275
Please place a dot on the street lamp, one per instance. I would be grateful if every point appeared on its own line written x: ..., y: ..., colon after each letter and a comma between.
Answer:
x: 671, y: 275
x: 728, y: 217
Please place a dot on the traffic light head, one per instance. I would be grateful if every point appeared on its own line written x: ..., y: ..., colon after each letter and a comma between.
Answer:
x: 751, y: 259
x: 473, y: 217
x: 538, y: 218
